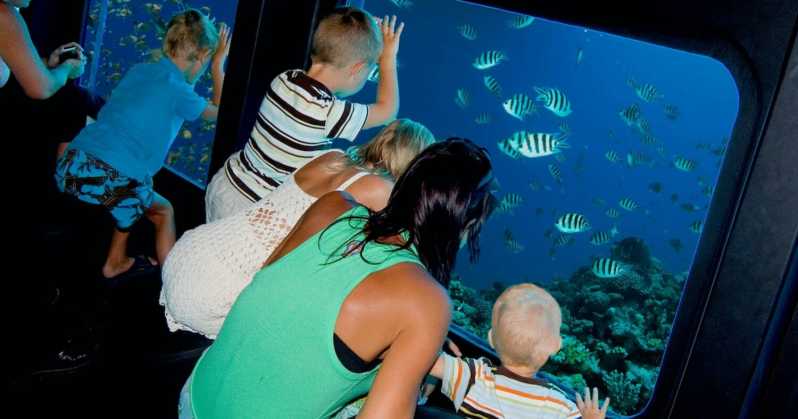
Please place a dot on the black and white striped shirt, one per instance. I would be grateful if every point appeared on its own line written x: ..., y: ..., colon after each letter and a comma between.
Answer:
x: 297, y: 121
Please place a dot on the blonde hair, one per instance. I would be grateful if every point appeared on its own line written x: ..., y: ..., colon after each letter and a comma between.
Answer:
x: 346, y: 36
x: 391, y: 150
x: 526, y: 326
x: 190, y: 32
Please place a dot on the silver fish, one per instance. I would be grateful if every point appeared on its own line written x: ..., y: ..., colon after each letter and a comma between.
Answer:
x: 489, y: 59
x: 554, y: 100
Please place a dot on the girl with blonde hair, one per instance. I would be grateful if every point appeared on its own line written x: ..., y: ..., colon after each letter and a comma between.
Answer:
x: 210, y: 265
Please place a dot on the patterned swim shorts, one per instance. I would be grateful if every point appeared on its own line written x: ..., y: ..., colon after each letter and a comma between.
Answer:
x: 92, y: 180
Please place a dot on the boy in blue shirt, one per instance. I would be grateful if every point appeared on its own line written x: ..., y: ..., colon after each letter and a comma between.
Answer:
x: 112, y: 162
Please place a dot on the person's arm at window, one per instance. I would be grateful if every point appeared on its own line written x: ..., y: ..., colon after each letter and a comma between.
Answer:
x: 426, y: 312
x: 387, y: 104
x: 211, y: 111
x: 17, y: 50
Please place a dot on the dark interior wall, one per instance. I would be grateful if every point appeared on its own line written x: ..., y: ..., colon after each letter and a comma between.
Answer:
x: 54, y: 23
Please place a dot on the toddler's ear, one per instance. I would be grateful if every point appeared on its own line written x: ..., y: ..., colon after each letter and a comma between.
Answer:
x: 490, y: 338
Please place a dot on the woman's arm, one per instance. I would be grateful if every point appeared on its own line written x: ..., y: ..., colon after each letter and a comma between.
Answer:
x: 422, y: 323
x: 17, y: 50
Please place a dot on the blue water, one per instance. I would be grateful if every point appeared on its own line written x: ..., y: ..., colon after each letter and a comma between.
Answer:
x: 435, y: 60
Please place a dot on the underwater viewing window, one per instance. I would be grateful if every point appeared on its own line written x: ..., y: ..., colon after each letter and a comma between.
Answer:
x: 122, y: 33
x: 607, y: 150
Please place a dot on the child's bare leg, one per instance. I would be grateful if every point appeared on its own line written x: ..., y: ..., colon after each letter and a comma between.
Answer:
x: 162, y: 216
x: 118, y: 261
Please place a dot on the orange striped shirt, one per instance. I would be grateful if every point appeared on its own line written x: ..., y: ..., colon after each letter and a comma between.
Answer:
x: 480, y: 390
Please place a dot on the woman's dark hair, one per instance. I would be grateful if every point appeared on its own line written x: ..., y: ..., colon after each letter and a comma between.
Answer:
x: 444, y: 193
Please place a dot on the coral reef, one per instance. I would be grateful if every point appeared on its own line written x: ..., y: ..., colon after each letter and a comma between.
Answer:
x: 614, y: 330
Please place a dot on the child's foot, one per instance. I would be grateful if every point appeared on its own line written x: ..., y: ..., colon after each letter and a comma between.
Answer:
x: 129, y: 265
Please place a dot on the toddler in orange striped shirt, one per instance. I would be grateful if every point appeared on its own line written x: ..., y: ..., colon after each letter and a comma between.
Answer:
x: 525, y: 331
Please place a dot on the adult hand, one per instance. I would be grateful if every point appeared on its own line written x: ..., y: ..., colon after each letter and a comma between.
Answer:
x: 589, y: 407
x: 55, y: 58
x: 222, y: 47
x: 76, y: 66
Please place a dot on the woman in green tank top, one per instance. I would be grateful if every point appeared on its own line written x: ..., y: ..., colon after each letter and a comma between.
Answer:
x: 373, y: 284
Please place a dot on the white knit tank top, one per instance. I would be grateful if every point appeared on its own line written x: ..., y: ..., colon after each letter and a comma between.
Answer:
x: 210, y: 265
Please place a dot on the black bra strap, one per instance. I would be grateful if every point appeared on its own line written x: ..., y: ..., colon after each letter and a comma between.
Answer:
x: 350, y: 359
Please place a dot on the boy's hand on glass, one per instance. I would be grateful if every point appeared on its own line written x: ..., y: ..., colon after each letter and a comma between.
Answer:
x: 55, y: 58
x: 391, y: 35
x: 589, y: 407
x: 222, y: 47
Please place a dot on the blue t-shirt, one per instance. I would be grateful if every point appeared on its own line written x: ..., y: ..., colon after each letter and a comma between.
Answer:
x: 137, y: 126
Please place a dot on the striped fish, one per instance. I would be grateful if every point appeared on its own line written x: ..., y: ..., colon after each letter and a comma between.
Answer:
x: 489, y: 59
x: 538, y: 144
x: 645, y: 91
x: 608, y: 268
x: 504, y: 208
x: 564, y: 240
x: 685, y: 165
x: 630, y: 115
x: 643, y: 126
x: 628, y: 204
x: 493, y: 85
x: 637, y: 159
x: 555, y: 172
x: 648, y: 139
x: 467, y: 31
x: 696, y: 226
x: 603, y: 237
x: 535, y: 185
x: 661, y: 151
x: 612, y: 156
x: 511, y: 243
x: 599, y: 202
x: 513, y: 200
x: 483, y: 118
x: 513, y: 246
x: 510, y: 202
x: 462, y: 98
x: 613, y: 213
x: 520, y: 21
x: 671, y: 112
x: 554, y: 100
x: 508, y: 148
x: 519, y: 106
x: 572, y: 223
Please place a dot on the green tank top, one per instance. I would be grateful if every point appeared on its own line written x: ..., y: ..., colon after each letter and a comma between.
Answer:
x: 274, y: 356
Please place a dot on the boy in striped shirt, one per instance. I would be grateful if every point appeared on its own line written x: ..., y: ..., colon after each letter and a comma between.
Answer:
x: 302, y: 112
x: 525, y: 332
